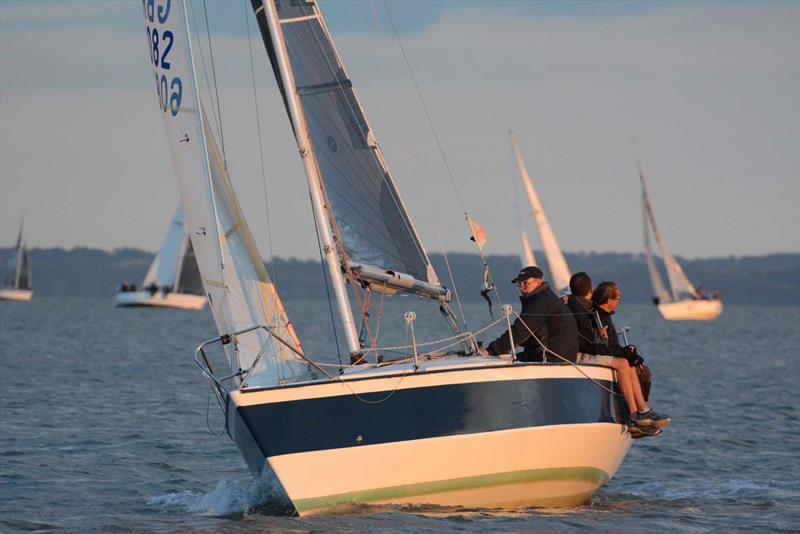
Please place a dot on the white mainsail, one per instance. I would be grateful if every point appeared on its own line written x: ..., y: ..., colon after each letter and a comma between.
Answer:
x: 236, y: 283
x: 680, y: 285
x: 526, y: 257
x: 559, y: 271
x: 659, y: 291
x: 168, y: 261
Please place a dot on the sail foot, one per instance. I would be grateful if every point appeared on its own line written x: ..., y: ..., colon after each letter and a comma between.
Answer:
x: 393, y: 281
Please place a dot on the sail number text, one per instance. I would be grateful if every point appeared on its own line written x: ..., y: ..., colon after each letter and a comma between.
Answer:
x: 159, y: 44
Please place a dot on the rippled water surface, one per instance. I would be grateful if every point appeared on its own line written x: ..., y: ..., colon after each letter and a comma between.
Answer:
x: 104, y: 425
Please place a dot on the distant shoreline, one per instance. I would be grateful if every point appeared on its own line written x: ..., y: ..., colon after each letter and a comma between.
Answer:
x: 766, y: 279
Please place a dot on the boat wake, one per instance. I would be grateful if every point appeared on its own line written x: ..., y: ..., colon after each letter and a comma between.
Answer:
x: 231, y: 499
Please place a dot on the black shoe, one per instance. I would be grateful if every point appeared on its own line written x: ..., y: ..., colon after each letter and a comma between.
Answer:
x: 644, y: 431
x: 650, y: 418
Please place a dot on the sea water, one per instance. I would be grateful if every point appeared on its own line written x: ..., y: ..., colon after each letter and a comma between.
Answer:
x: 107, y: 425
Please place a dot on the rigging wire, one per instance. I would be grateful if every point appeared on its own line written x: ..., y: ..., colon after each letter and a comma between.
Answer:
x: 204, y: 68
x: 488, y: 275
x: 216, y: 88
x: 260, y: 145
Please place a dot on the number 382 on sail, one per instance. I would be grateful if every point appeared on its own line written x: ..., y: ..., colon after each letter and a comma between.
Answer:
x: 441, y: 427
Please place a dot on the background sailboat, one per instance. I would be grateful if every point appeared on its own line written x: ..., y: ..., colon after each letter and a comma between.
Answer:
x: 18, y: 285
x: 683, y: 301
x: 173, y: 280
x: 557, y: 265
x: 400, y: 431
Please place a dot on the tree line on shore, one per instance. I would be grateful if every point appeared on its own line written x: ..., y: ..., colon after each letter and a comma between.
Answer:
x: 767, y: 279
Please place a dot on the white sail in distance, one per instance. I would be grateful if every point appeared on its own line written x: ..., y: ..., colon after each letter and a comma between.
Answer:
x: 169, y: 260
x: 659, y: 291
x: 22, y: 268
x: 526, y: 256
x: 559, y: 271
x: 239, y: 291
x: 680, y: 285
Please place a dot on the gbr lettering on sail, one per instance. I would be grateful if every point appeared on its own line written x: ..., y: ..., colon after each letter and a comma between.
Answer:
x: 159, y: 17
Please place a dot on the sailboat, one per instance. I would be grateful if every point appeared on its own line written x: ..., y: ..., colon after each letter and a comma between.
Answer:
x: 445, y: 427
x: 18, y: 285
x: 683, y: 302
x: 559, y: 271
x: 173, y: 279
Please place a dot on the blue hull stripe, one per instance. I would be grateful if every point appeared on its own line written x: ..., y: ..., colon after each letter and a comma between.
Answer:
x: 429, y: 412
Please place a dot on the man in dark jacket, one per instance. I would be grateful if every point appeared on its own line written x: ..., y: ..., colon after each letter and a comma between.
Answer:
x: 545, y: 325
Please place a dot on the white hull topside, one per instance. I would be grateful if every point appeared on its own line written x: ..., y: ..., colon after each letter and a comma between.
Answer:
x: 691, y: 310
x: 19, y: 295
x: 519, y: 465
x: 182, y: 301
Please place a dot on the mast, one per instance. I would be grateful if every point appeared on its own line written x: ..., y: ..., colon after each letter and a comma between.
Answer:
x: 310, y: 167
x: 555, y: 259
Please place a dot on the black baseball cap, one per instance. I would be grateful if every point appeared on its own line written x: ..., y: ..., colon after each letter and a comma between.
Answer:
x: 531, y: 271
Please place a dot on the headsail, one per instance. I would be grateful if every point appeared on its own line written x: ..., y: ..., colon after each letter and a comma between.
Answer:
x: 678, y: 281
x: 236, y: 283
x: 559, y: 271
x: 366, y: 211
x: 163, y: 272
x: 189, y: 280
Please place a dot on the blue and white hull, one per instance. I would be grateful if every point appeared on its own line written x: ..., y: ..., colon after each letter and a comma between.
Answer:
x: 458, y: 432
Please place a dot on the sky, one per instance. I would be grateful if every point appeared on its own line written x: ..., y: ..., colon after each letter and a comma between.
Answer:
x: 711, y: 91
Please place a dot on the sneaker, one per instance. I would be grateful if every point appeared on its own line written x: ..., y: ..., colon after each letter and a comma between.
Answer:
x: 643, y: 431
x: 650, y: 417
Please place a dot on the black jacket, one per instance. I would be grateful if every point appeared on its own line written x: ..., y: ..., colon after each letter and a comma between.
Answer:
x: 549, y: 320
x: 588, y: 339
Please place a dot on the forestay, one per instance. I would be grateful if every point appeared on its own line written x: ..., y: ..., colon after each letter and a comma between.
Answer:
x: 367, y: 213
x: 559, y: 272
x: 236, y: 283
x: 678, y: 281
x: 164, y: 270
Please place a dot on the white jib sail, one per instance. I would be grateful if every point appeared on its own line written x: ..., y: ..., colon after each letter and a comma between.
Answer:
x: 678, y: 281
x: 555, y: 259
x: 237, y: 286
x: 164, y: 270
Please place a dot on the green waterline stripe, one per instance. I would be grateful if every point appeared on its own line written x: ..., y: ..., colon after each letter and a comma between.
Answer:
x: 589, y: 474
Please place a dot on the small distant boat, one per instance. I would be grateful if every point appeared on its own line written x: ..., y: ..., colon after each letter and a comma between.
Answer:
x: 173, y: 280
x: 18, y: 285
x: 557, y: 265
x: 684, y: 302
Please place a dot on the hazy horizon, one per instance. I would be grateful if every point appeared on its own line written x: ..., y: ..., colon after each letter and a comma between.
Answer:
x: 711, y: 90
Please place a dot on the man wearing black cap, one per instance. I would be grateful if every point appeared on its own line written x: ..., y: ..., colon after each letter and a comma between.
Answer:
x: 545, y: 325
